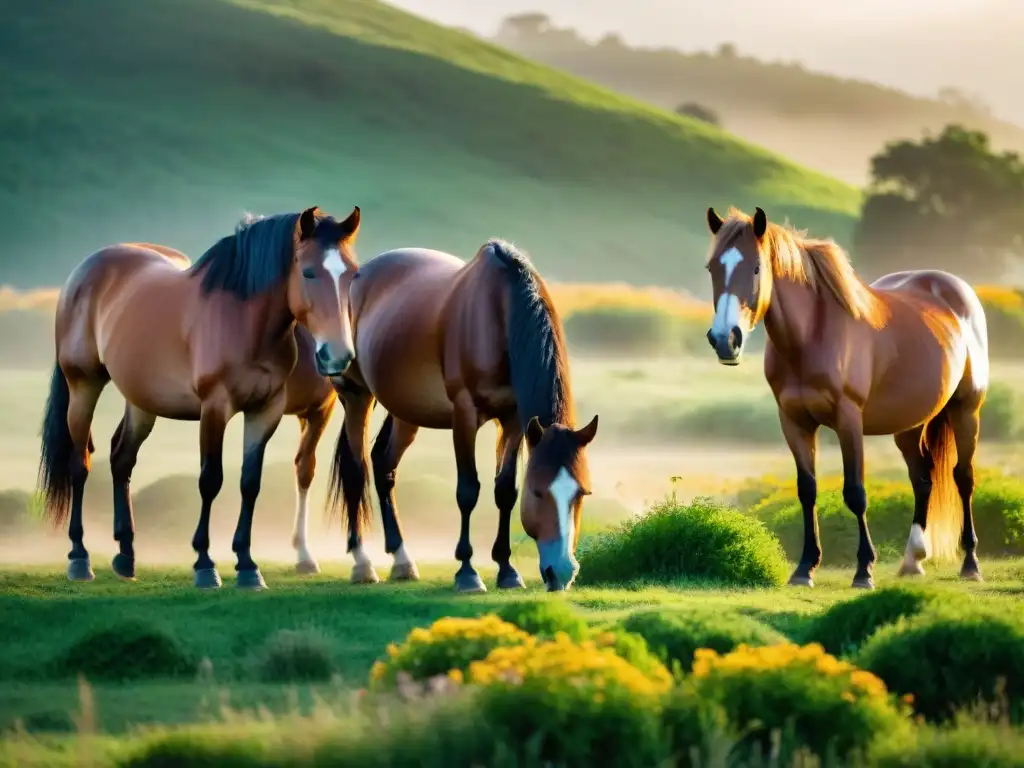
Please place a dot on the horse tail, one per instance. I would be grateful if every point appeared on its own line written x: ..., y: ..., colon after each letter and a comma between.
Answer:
x: 348, y: 487
x: 945, y: 511
x: 536, y: 342
x: 54, y: 478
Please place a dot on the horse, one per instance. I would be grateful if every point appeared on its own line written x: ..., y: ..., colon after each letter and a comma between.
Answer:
x: 194, y: 342
x: 905, y: 356
x: 446, y: 344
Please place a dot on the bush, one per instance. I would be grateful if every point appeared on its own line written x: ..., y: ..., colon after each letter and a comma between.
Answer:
x: 633, y: 649
x: 293, y: 655
x: 808, y: 696
x: 126, y: 650
x: 699, y: 112
x: 1004, y: 314
x: 448, y: 644
x: 544, y: 618
x: 970, y: 744
x: 675, y: 637
x: 675, y: 541
x: 1000, y: 414
x: 998, y: 518
x: 843, y: 628
x: 572, y: 703
x: 951, y: 659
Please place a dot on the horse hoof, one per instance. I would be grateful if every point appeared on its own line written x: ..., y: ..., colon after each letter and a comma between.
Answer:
x: 207, y: 578
x: 911, y: 569
x: 404, y: 572
x: 124, y: 566
x: 79, y: 569
x: 798, y: 580
x: 364, y: 573
x: 863, y: 582
x: 510, y: 579
x: 250, y: 579
x: 971, y: 575
x: 469, y: 583
x: 307, y: 567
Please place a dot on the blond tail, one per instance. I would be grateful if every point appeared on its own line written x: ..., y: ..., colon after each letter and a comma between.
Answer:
x: 945, y: 512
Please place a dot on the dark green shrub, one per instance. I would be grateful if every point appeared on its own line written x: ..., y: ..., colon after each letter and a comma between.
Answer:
x: 675, y: 541
x: 998, y: 519
x: 631, y: 647
x: 544, y: 617
x: 969, y: 744
x: 1000, y: 415
x: 949, y: 659
x: 294, y: 655
x: 126, y: 650
x: 675, y: 636
x: 844, y: 627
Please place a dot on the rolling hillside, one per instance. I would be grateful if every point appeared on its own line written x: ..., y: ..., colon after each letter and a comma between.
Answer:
x: 825, y: 122
x: 164, y: 120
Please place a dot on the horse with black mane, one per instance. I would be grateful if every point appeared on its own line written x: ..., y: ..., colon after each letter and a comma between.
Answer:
x: 199, y: 342
x: 905, y: 356
x: 447, y: 344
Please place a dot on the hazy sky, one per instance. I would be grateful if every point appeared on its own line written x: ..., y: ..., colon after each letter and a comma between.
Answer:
x: 915, y: 45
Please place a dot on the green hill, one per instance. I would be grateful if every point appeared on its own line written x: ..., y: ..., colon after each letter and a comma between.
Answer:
x: 165, y: 120
x: 824, y: 122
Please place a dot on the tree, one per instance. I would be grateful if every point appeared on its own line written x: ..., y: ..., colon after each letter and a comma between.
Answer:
x: 524, y: 26
x: 945, y: 202
x: 699, y: 112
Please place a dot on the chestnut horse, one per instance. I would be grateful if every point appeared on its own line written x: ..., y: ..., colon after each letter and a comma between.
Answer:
x: 446, y: 344
x: 905, y: 356
x: 193, y: 342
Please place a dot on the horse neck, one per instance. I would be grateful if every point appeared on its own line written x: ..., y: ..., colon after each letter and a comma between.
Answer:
x: 270, y: 318
x: 791, y: 315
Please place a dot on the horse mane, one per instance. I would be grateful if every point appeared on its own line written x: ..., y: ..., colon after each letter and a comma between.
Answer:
x: 251, y: 261
x: 819, y: 264
x: 538, y: 361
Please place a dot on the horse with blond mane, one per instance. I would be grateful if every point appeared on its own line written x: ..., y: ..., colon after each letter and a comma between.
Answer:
x: 446, y: 344
x: 905, y: 356
x: 199, y: 342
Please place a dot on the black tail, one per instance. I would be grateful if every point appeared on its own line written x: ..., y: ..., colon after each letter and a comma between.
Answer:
x: 536, y: 345
x: 55, y: 456
x: 349, y: 481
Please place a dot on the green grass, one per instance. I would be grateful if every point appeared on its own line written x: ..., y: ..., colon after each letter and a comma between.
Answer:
x: 44, y: 615
x: 272, y: 105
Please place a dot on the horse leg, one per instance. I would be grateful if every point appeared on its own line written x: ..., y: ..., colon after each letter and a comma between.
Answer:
x: 465, y: 425
x: 391, y: 444
x: 919, y: 468
x: 212, y: 421
x: 259, y: 428
x: 965, y: 420
x: 84, y: 394
x: 135, y: 427
x: 850, y: 430
x: 510, y: 440
x: 313, y: 424
x: 803, y: 444
x: 349, y: 479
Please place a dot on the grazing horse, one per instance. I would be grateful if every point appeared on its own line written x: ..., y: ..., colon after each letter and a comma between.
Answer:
x: 905, y: 356
x: 447, y: 344
x: 193, y: 342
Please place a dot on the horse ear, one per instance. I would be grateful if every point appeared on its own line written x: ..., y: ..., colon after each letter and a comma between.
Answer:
x: 350, y: 226
x: 588, y: 433
x: 307, y: 222
x: 760, y: 223
x: 714, y: 221
x: 534, y: 432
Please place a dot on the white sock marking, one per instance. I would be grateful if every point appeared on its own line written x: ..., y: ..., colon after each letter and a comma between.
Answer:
x: 301, y: 519
x: 402, y: 557
x: 360, y: 556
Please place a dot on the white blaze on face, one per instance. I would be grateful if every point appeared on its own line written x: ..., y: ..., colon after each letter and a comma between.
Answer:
x: 729, y: 260
x: 563, y: 491
x: 727, y: 314
x: 336, y: 267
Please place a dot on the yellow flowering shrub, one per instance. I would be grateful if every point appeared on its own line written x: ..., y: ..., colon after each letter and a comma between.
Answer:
x: 811, y: 697
x: 446, y: 647
x: 576, y: 703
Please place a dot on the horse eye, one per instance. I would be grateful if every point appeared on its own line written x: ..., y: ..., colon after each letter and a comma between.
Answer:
x: 309, y: 273
x: 538, y: 494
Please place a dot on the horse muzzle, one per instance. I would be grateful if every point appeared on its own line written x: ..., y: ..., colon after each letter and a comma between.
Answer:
x: 728, y: 347
x: 329, y: 364
x: 558, y: 569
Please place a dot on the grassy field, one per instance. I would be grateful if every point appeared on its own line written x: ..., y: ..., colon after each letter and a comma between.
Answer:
x: 44, y: 615
x: 822, y: 121
x: 272, y: 105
